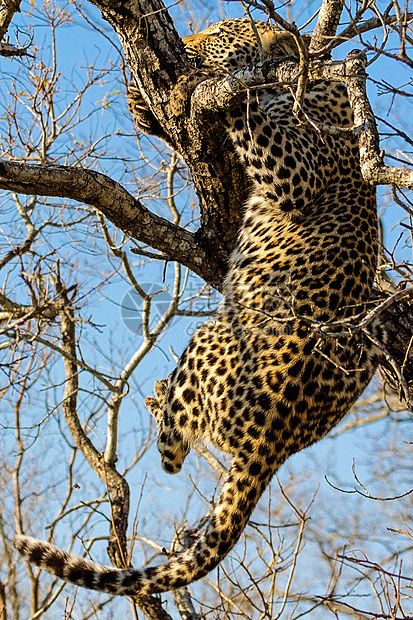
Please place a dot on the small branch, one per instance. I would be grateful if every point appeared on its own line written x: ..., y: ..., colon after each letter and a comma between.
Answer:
x: 7, y: 50
x: 406, y: 294
x: 368, y: 495
x: 211, y: 459
x: 51, y: 345
x: 19, y: 250
x: 13, y: 310
x: 371, y: 24
x: 372, y: 566
x: 302, y: 517
x: 72, y: 385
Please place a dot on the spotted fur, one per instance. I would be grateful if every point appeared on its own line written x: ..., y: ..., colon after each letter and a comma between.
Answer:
x: 258, y: 381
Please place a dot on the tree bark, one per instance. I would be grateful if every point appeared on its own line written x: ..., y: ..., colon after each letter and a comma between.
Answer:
x: 157, y: 59
x: 7, y: 9
x: 3, y: 600
x: 327, y: 24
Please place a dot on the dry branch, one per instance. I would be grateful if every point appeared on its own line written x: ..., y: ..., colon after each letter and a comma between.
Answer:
x: 327, y: 23
x: 371, y: 159
x: 7, y: 9
x: 115, y: 202
x: 118, y: 488
x: 8, y: 50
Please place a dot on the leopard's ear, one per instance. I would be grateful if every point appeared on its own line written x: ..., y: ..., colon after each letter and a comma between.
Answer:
x: 281, y: 43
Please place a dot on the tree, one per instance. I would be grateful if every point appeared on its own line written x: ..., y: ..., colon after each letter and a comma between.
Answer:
x: 49, y: 330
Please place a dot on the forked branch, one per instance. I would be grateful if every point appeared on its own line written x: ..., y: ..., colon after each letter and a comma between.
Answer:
x: 117, y: 487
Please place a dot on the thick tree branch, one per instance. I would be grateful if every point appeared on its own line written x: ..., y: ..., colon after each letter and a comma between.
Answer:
x: 223, y: 94
x: 69, y: 404
x: 120, y: 207
x: 327, y: 24
x: 158, y: 62
x: 7, y: 9
x: 154, y: 52
x: 220, y: 95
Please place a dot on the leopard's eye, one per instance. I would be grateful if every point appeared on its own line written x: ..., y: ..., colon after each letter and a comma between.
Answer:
x: 197, y: 60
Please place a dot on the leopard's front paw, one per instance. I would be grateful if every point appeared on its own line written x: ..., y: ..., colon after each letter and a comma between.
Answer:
x: 156, y: 406
x: 143, y: 116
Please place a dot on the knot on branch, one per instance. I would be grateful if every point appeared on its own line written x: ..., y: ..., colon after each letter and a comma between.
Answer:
x: 355, y: 64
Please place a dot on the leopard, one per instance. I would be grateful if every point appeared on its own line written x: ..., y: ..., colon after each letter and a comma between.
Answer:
x: 280, y: 363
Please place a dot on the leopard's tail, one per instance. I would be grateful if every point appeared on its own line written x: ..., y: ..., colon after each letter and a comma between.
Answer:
x: 244, y: 484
